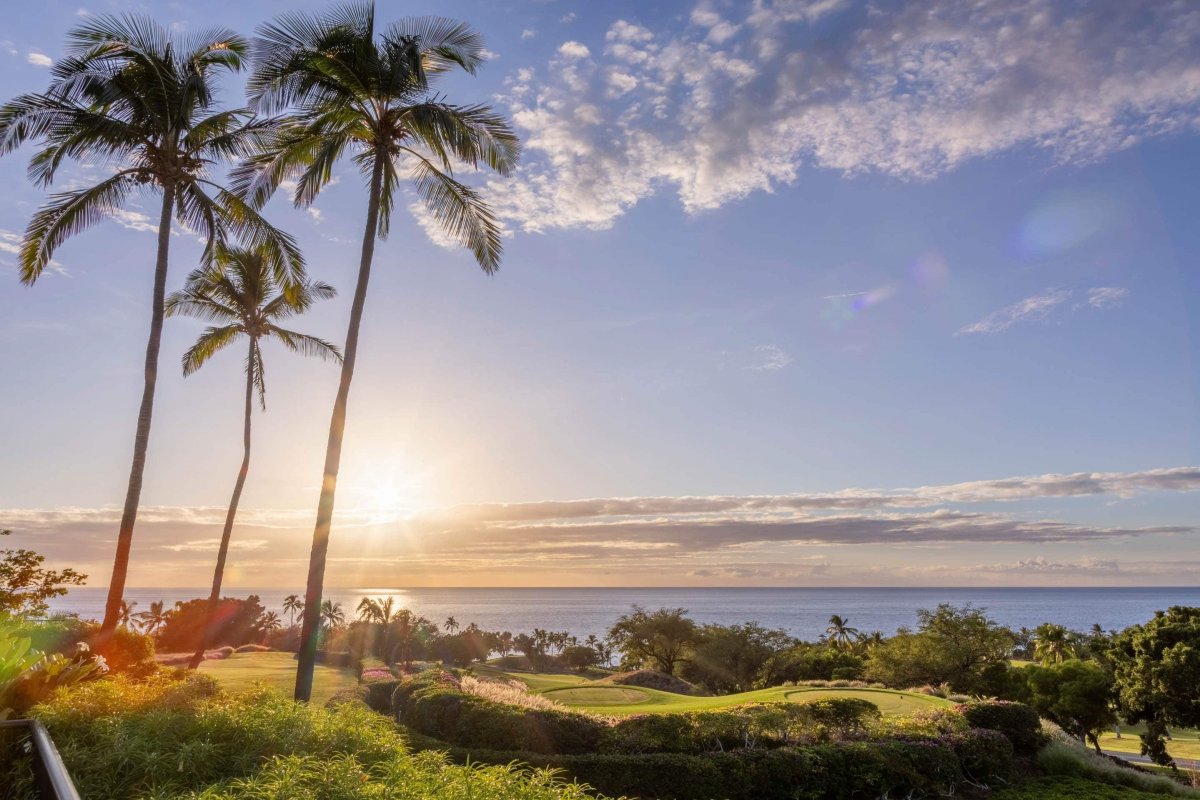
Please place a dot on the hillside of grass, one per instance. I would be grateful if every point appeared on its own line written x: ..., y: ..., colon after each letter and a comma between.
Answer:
x: 583, y: 694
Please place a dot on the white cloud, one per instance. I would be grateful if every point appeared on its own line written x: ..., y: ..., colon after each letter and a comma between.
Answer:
x: 1103, y: 297
x: 728, y: 106
x: 315, y: 213
x: 1041, y: 306
x: 489, y: 55
x: 10, y: 242
x: 1037, y: 307
x: 528, y: 33
x: 7, y: 46
x: 574, y: 50
x: 134, y: 220
x: 568, y: 18
x: 771, y: 357
x: 39, y: 59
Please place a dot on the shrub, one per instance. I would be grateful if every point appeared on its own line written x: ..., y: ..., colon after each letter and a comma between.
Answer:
x: 893, y: 768
x: 652, y: 733
x: 252, y: 648
x: 475, y: 722
x: 844, y: 715
x: 1018, y: 722
x: 1062, y: 788
x: 513, y: 693
x: 172, y: 739
x: 1073, y: 760
x: 983, y: 756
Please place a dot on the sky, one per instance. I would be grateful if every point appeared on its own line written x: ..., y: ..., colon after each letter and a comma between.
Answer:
x: 794, y: 293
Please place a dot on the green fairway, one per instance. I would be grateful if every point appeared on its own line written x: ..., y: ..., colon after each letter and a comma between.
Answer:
x: 610, y: 699
x: 1185, y: 743
x: 278, y: 670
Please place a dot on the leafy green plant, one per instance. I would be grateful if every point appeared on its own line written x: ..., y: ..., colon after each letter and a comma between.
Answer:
x: 27, y: 676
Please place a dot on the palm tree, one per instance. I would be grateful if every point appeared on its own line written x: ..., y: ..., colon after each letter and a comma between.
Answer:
x: 451, y: 624
x: 291, y: 604
x: 129, y: 95
x: 368, y: 610
x: 840, y: 634
x: 268, y: 622
x: 354, y: 88
x: 125, y: 614
x: 332, y: 614
x: 1052, y: 644
x: 152, y: 621
x: 239, y: 294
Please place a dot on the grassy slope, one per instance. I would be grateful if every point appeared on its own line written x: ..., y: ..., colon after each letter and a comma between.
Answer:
x: 604, y: 698
x: 278, y: 670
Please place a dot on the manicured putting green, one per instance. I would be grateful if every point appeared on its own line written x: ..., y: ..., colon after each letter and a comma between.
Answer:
x: 599, y: 695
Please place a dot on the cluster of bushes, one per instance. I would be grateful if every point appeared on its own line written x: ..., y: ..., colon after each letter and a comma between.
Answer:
x: 888, y: 768
x: 169, y: 738
x: 834, y: 747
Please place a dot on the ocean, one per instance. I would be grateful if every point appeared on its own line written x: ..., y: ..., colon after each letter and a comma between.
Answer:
x: 800, y: 612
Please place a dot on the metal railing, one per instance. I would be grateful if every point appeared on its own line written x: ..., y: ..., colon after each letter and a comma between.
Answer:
x: 50, y: 775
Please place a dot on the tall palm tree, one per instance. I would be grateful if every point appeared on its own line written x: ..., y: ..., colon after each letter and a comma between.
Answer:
x: 332, y: 614
x: 451, y: 625
x: 840, y: 634
x: 152, y: 621
x: 239, y: 294
x: 291, y: 604
x: 351, y: 87
x: 129, y: 95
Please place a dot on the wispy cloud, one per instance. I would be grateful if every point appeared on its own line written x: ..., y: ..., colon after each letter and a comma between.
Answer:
x: 1040, y: 307
x: 134, y: 221
x: 39, y: 59
x: 707, y: 537
x: 740, y: 97
x: 1033, y: 308
x: 1106, y: 296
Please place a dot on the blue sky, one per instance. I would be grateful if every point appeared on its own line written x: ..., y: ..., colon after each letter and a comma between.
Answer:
x: 772, y: 268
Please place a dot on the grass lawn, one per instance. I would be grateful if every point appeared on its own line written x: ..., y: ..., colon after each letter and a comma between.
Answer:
x: 278, y: 670
x: 611, y: 699
x: 1184, y: 743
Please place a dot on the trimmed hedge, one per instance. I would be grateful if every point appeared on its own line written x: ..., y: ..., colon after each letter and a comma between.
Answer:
x: 1017, y: 721
x: 847, y: 770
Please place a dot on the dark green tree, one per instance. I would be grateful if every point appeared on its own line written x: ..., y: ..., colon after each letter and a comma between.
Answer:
x: 658, y: 640
x: 951, y: 645
x: 728, y: 658
x: 1078, y: 695
x: 1157, y: 671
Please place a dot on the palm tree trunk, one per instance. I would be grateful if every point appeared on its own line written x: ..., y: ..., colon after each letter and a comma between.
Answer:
x: 141, y: 439
x: 214, y: 598
x: 310, y: 628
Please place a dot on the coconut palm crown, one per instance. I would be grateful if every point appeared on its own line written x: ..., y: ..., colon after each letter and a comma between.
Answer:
x: 350, y: 88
